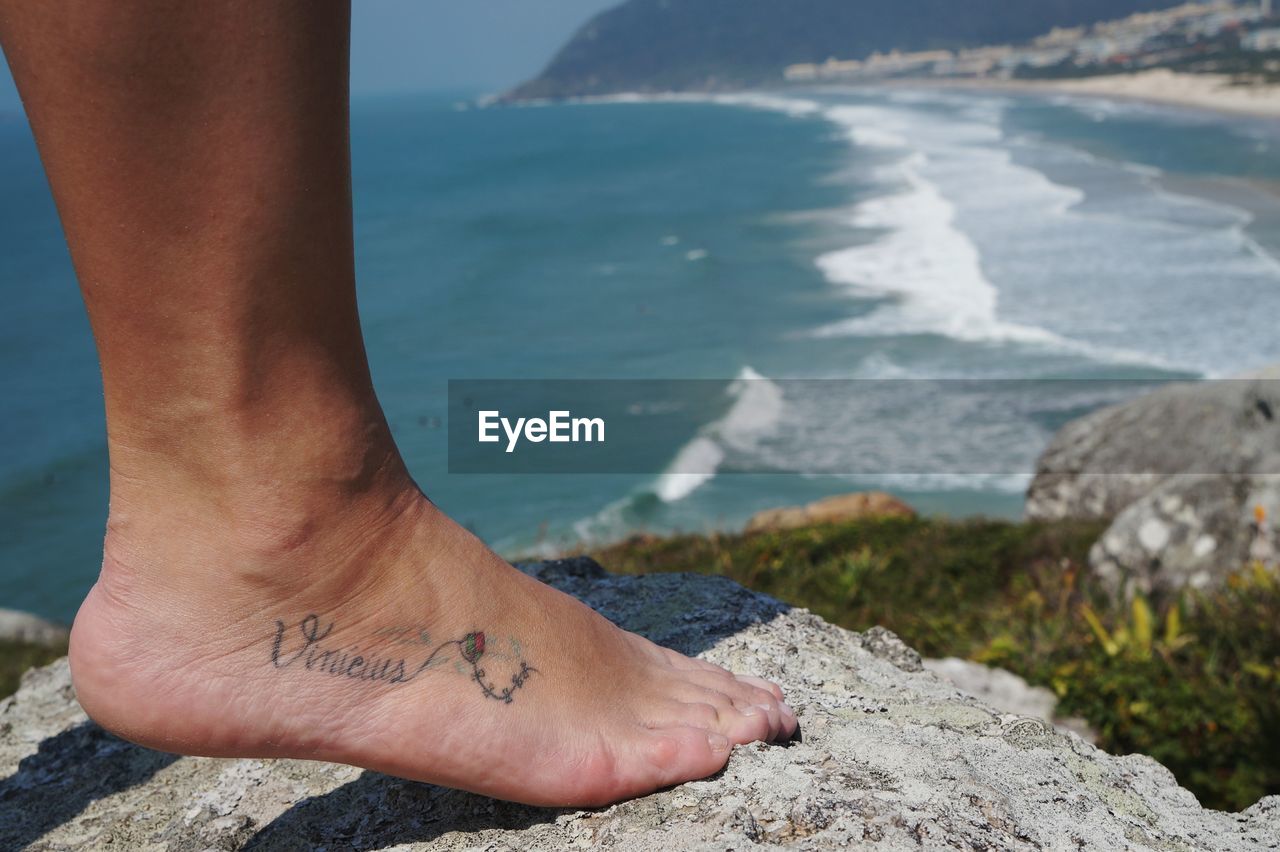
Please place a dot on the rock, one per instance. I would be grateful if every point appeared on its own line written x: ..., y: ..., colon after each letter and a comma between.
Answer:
x: 1188, y: 532
x: 23, y: 627
x: 1189, y: 477
x: 886, y: 645
x: 889, y: 758
x: 1008, y: 693
x: 831, y: 510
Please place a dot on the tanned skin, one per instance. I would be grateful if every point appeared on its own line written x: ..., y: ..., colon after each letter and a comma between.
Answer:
x: 270, y: 568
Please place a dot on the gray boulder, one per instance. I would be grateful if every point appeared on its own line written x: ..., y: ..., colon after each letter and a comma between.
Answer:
x: 1180, y: 473
x: 1188, y: 532
x: 24, y: 627
x: 891, y: 757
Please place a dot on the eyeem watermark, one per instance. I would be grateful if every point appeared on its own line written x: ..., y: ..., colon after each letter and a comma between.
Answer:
x: 940, y: 429
x: 559, y: 427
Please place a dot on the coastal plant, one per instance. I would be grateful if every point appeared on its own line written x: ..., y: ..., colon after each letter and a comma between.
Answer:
x: 1192, y: 681
x: 17, y: 657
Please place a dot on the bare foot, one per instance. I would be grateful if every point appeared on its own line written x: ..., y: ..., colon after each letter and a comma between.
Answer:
x: 383, y: 635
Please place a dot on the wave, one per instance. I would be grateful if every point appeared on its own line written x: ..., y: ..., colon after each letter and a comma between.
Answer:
x: 754, y: 100
x: 938, y: 156
x: 958, y: 213
x: 753, y: 417
x: 1253, y: 247
x: 930, y: 269
x: 925, y: 268
x: 774, y: 103
x: 875, y: 137
x: 694, y: 465
x: 926, y: 264
x: 1003, y: 483
x: 922, y: 266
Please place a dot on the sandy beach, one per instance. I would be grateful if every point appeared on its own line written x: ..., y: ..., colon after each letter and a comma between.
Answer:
x: 1160, y: 85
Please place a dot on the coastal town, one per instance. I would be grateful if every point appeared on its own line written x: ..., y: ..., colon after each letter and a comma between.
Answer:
x: 1239, y: 39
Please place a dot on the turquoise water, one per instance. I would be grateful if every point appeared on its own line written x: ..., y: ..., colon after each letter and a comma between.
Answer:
x: 822, y: 234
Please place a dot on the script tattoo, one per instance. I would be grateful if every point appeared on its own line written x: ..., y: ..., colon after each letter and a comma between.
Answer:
x: 312, y: 654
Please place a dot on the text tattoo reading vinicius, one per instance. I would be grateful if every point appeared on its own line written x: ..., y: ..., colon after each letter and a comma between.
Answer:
x: 304, y: 648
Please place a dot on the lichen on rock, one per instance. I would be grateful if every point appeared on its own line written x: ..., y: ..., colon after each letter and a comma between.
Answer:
x: 1188, y: 476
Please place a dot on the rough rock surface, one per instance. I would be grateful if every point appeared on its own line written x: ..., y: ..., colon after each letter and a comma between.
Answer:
x: 1189, y: 532
x: 1182, y: 474
x: 891, y: 757
x: 1006, y: 692
x: 830, y: 510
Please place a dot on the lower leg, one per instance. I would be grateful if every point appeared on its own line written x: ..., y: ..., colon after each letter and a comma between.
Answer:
x: 273, y: 582
x: 198, y: 154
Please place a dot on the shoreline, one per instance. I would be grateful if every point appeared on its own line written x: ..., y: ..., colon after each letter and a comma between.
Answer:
x: 1160, y: 86
x: 1212, y: 93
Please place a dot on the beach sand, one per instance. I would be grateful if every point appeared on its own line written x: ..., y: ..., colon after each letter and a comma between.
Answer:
x: 1217, y: 92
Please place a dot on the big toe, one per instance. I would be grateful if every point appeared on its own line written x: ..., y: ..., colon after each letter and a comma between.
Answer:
x: 684, y: 753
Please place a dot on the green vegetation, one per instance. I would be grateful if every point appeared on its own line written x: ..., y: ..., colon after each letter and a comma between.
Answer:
x: 1193, y: 682
x: 17, y: 657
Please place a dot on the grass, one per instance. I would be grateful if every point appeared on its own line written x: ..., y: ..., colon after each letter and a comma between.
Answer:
x: 1193, y: 682
x: 17, y: 657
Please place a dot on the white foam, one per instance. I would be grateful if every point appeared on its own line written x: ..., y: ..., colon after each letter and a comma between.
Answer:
x: 694, y: 466
x: 1255, y: 248
x: 1066, y: 271
x: 774, y: 103
x: 925, y: 266
x: 753, y: 100
x: 929, y: 268
x: 757, y: 409
x: 608, y: 524
x: 1005, y: 483
x: 753, y: 417
x: 875, y: 137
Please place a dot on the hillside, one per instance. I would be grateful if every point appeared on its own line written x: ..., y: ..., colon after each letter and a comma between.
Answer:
x: 665, y: 45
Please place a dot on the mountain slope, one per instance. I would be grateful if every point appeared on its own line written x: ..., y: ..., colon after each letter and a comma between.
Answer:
x: 657, y: 45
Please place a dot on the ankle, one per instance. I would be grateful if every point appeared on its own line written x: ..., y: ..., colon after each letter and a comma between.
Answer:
x: 279, y: 535
x: 327, y: 434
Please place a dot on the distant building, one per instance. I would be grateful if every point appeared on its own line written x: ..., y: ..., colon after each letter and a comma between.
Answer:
x: 1059, y: 37
x: 1096, y: 49
x: 840, y: 68
x: 994, y: 53
x: 800, y: 73
x: 832, y: 69
x: 1262, y: 40
x: 1141, y: 40
x: 1036, y: 58
x: 898, y: 61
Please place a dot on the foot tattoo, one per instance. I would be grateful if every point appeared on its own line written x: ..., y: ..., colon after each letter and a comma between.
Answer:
x: 351, y: 662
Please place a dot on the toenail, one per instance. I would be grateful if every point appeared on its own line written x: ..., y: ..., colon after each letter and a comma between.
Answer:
x: 786, y: 711
x: 718, y: 742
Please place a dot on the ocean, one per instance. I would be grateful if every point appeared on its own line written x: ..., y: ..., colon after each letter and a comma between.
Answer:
x: 893, y: 234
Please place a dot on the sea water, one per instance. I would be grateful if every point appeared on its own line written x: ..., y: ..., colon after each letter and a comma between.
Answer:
x: 811, y: 234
